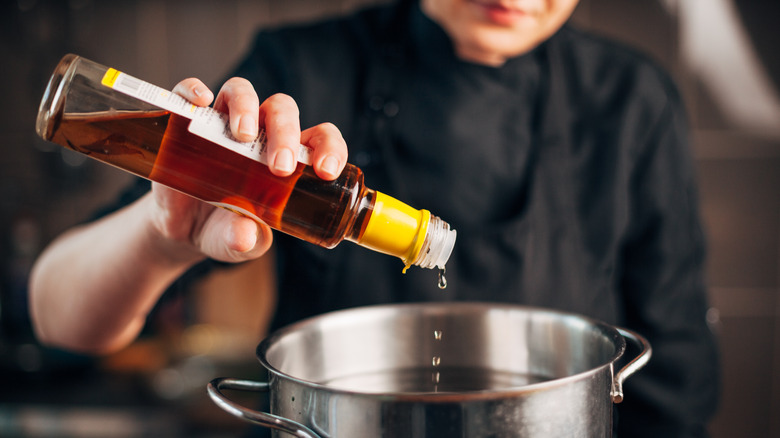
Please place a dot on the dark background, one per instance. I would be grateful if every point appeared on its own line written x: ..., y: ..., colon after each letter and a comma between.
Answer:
x: 728, y: 71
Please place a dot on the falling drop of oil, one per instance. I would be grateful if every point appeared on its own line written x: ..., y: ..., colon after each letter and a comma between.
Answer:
x: 437, y: 334
x: 436, y: 361
x: 442, y: 278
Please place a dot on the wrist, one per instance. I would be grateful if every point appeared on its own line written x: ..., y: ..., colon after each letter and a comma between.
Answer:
x: 168, y: 247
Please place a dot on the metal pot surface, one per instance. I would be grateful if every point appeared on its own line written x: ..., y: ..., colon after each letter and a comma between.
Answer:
x: 441, y: 370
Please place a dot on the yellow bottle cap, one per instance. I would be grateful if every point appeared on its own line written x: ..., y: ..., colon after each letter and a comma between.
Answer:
x: 395, y: 228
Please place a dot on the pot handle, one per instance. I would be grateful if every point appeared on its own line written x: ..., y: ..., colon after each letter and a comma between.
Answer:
x: 633, y: 366
x: 265, y: 419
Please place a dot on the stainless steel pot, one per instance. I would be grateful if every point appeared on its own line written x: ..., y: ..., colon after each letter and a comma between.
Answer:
x: 441, y: 370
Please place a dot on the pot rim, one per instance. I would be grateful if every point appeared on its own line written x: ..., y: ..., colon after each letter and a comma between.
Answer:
x: 429, y: 397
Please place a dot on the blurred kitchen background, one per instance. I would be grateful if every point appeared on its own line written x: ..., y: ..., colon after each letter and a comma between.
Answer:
x: 723, y: 54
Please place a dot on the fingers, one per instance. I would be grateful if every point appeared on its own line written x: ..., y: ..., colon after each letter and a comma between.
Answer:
x: 238, y: 99
x: 280, y: 117
x: 195, y: 91
x: 329, y: 154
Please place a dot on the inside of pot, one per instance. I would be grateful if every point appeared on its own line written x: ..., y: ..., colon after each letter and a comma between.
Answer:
x: 439, y: 347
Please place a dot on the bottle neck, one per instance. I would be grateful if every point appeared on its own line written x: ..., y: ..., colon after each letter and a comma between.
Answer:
x: 415, y: 236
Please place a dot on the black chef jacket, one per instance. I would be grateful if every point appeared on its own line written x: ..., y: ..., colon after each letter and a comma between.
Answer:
x: 566, y: 173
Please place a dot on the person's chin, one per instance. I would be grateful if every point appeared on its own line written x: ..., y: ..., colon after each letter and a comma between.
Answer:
x: 500, y: 16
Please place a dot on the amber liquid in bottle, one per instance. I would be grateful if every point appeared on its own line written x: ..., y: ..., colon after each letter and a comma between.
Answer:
x: 143, y: 129
x: 157, y: 145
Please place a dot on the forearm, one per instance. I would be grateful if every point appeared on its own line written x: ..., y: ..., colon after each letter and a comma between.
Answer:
x: 92, y: 288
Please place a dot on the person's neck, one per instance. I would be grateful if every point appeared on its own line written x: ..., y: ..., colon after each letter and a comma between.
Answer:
x: 479, y: 57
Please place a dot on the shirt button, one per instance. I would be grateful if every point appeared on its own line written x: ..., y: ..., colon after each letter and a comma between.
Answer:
x: 390, y: 108
x: 387, y: 107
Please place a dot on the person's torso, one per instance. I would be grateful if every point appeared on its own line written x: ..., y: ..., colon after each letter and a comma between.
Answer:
x: 537, y: 190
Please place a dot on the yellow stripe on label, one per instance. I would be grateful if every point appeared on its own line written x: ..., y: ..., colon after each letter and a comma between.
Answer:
x: 110, y: 77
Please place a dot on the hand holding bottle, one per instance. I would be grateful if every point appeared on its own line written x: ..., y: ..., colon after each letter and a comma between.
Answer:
x: 123, y: 262
x: 218, y: 233
x: 120, y: 265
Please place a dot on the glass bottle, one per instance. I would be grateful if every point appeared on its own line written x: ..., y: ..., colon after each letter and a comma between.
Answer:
x: 155, y: 134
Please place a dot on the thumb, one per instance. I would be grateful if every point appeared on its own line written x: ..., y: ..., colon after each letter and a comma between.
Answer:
x: 229, y: 237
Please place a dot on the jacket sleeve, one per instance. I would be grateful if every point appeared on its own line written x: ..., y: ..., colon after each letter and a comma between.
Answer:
x: 664, y: 292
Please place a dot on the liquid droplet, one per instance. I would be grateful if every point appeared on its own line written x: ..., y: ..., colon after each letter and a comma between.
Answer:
x: 436, y: 361
x: 437, y: 334
x: 442, y: 278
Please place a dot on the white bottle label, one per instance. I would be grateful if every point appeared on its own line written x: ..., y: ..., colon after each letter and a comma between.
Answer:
x: 205, y: 122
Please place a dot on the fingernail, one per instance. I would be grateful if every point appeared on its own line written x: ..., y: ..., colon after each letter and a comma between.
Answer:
x: 252, y: 243
x: 284, y: 161
x: 201, y: 91
x: 330, y: 165
x: 247, y: 126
